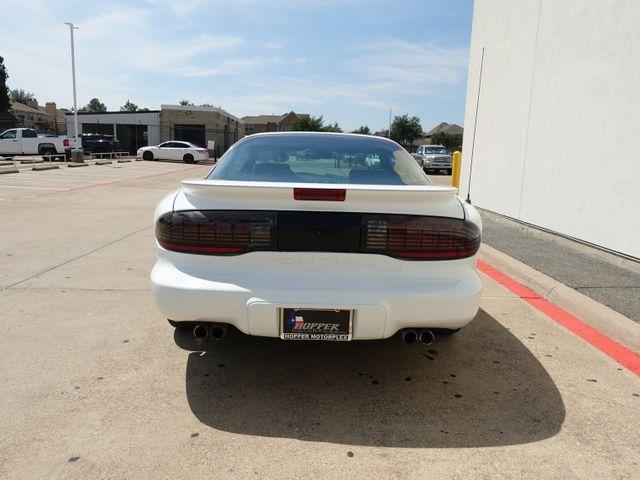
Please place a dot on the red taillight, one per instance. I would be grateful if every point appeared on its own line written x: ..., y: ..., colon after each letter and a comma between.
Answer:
x: 65, y: 142
x: 406, y: 237
x: 325, y: 194
x: 420, y: 238
x: 216, y: 233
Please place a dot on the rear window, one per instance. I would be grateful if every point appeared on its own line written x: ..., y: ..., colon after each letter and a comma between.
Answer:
x: 319, y: 158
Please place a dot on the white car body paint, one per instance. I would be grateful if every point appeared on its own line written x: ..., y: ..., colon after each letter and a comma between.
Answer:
x: 174, y: 150
x: 247, y: 290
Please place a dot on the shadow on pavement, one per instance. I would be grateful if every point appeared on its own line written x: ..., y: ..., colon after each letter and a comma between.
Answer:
x: 481, y: 387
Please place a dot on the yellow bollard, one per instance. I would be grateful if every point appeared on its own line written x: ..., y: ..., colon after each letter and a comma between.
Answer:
x: 455, y: 169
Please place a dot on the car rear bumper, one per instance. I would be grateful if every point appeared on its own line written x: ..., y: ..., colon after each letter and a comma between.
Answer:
x: 248, y: 291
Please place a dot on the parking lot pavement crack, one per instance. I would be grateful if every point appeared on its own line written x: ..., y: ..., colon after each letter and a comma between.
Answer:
x: 66, y: 262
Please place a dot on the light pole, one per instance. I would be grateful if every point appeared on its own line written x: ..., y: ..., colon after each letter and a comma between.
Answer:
x: 72, y: 27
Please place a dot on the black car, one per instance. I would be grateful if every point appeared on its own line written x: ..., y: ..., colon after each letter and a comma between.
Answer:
x: 99, y: 143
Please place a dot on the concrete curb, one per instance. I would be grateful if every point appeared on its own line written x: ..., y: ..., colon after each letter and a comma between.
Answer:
x: 45, y: 167
x: 612, y: 324
x: 4, y: 163
x: 103, y: 162
x: 124, y: 160
x: 77, y: 164
x: 8, y: 170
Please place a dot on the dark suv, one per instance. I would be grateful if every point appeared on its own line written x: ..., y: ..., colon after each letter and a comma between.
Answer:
x: 99, y: 143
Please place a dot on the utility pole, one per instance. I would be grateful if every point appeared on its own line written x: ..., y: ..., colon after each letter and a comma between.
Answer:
x: 72, y: 27
x: 389, y: 135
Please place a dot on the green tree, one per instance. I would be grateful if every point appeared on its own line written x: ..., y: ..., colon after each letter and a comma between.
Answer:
x: 5, y: 103
x: 96, y: 106
x: 20, y: 96
x: 308, y: 124
x: 186, y: 103
x: 447, y: 140
x: 332, y: 128
x: 363, y: 130
x: 129, y: 107
x: 405, y: 129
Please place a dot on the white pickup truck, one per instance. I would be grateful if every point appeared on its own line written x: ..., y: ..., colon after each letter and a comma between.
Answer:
x: 26, y: 141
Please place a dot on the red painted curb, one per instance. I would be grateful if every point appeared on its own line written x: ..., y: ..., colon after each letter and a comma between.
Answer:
x: 625, y: 357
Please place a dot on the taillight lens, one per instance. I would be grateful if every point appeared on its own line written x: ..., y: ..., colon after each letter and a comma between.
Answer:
x: 407, y: 237
x: 420, y: 238
x: 216, y: 233
x: 65, y: 142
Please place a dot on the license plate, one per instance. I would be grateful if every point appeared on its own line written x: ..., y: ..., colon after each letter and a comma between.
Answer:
x: 334, y: 325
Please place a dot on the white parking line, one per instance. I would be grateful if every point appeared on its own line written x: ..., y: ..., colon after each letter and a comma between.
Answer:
x: 87, y: 178
x: 47, y: 179
x: 34, y: 188
x: 103, y: 173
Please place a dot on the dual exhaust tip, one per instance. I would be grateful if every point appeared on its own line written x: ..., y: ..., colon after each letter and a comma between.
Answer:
x: 412, y: 335
x: 219, y: 330
x: 215, y: 330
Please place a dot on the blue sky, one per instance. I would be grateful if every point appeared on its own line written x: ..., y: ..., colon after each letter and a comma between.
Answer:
x: 347, y: 60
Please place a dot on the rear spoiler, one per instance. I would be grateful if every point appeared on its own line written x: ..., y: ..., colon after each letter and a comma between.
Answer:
x: 436, y: 200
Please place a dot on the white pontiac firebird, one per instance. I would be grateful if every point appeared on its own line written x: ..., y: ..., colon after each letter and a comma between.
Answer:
x: 297, y: 236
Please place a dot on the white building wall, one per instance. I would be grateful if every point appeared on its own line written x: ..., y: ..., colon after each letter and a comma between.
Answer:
x: 150, y: 119
x: 558, y: 116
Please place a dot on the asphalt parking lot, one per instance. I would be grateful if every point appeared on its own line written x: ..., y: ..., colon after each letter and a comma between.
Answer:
x: 96, y: 385
x: 28, y: 183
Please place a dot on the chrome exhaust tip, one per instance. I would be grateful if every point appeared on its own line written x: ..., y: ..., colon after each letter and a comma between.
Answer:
x: 199, y: 331
x: 427, y: 337
x: 409, y: 335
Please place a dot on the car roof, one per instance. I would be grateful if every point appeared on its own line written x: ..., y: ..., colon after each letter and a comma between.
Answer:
x: 179, y: 141
x: 372, y: 138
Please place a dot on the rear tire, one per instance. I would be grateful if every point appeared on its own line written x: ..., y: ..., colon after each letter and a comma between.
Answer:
x: 147, y: 155
x: 47, y: 151
x: 188, y: 158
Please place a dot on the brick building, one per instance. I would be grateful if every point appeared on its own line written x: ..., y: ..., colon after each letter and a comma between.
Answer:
x: 47, y: 119
x: 200, y: 125
x: 270, y: 123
